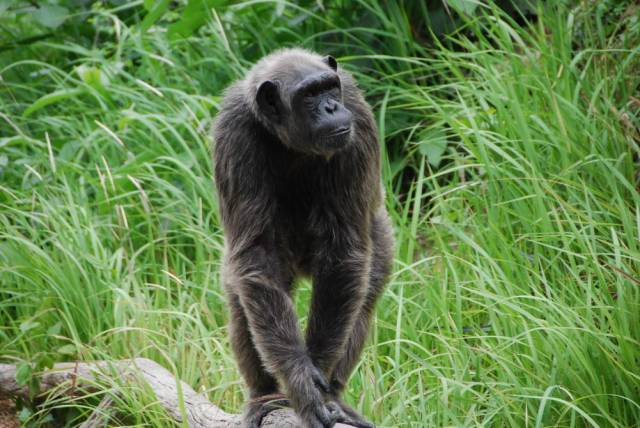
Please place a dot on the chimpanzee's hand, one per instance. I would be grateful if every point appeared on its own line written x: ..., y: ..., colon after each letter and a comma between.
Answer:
x: 306, y: 389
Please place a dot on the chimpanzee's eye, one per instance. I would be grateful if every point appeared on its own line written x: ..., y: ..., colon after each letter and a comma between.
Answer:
x: 309, y: 100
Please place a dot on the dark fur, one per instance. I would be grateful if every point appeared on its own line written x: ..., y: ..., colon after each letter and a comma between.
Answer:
x: 288, y: 213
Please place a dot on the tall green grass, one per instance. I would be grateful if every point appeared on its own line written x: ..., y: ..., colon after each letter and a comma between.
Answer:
x: 515, y: 298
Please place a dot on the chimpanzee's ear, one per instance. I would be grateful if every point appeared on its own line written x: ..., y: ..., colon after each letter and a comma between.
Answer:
x: 268, y: 99
x: 331, y: 62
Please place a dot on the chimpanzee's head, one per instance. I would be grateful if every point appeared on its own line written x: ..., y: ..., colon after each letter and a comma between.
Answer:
x: 298, y: 97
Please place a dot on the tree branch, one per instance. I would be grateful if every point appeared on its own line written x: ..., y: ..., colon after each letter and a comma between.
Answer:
x: 199, y: 412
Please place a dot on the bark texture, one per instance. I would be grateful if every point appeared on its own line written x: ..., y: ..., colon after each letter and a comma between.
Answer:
x: 199, y: 412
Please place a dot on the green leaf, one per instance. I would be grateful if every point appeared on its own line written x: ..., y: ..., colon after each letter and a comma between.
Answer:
x: 51, y: 16
x: 51, y: 98
x: 92, y: 76
x: 28, y: 325
x: 4, y: 161
x: 66, y: 153
x: 24, y: 414
x: 4, y: 5
x: 95, y: 78
x: 397, y: 165
x: 154, y: 14
x: 69, y: 349
x: 44, y: 362
x: 23, y: 373
x: 54, y: 330
x: 193, y: 17
x: 463, y: 6
x: 433, y: 143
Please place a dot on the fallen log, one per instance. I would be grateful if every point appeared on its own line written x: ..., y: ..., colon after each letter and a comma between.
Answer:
x: 198, y: 411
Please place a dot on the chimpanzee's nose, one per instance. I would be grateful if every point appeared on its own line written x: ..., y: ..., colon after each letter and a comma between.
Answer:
x: 330, y: 106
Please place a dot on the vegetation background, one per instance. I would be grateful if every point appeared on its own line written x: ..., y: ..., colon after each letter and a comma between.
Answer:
x: 510, y: 140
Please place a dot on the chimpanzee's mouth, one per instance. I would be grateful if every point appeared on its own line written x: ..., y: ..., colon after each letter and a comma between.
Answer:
x: 343, y: 130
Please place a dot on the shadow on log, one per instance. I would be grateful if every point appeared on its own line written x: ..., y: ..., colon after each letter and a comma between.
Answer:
x: 199, y: 412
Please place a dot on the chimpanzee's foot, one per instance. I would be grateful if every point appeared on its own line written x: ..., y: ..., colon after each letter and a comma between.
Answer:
x: 256, y: 409
x: 346, y: 414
